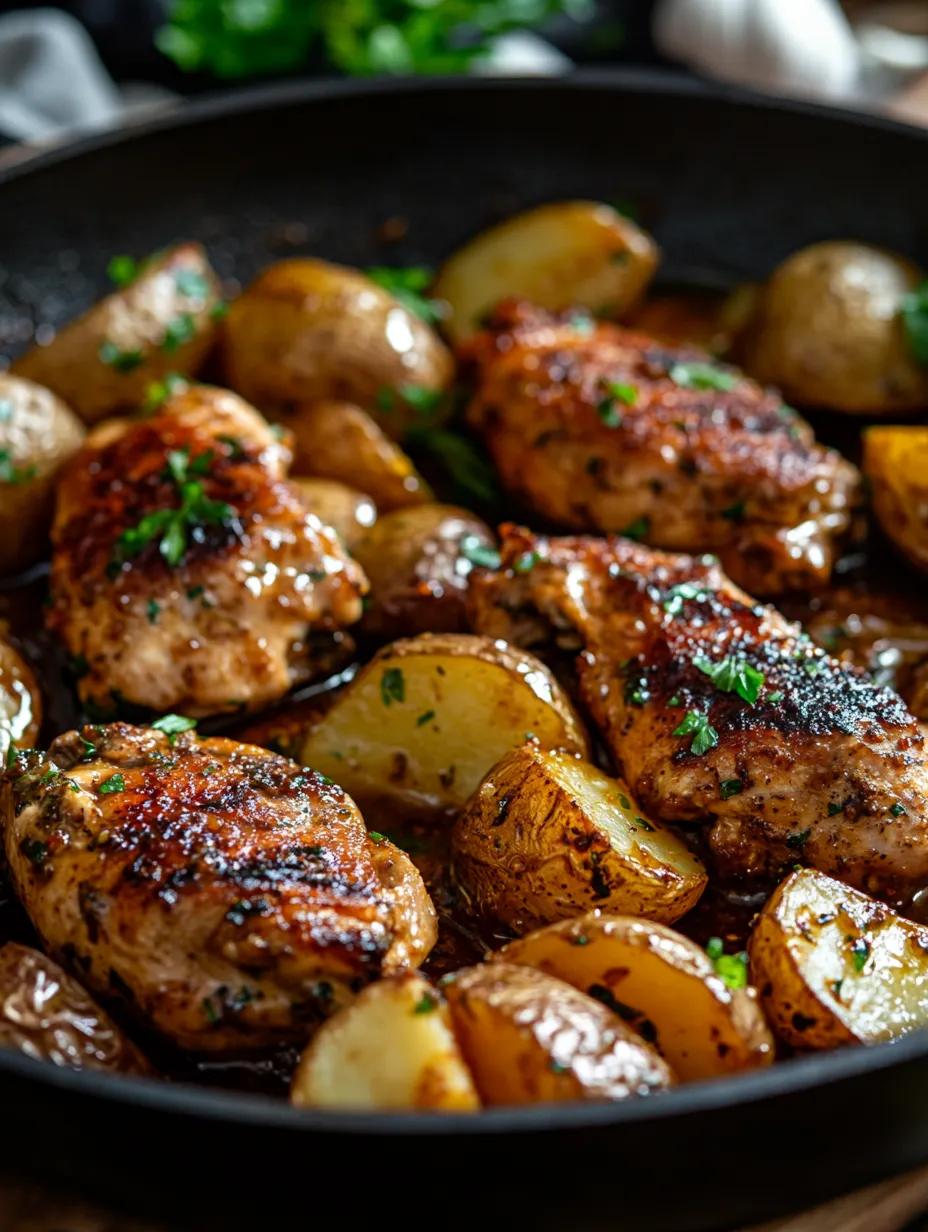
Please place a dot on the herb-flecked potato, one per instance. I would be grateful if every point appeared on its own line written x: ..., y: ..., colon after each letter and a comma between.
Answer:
x: 833, y: 966
x: 547, y: 837
x: 306, y: 331
x: 828, y: 331
x: 162, y: 321
x: 417, y: 561
x: 529, y: 1038
x: 38, y: 434
x: 45, y: 1013
x: 20, y: 702
x: 346, y: 510
x: 422, y: 724
x: 336, y: 440
x: 391, y: 1049
x: 559, y: 255
x: 661, y: 983
x: 896, y: 463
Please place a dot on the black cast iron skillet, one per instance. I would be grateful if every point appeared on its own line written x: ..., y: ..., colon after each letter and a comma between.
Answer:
x: 730, y: 184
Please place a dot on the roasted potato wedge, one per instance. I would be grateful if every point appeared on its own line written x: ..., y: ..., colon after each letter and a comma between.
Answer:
x: 38, y: 434
x: 417, y: 561
x: 346, y: 510
x: 660, y: 982
x: 336, y: 440
x: 306, y: 331
x: 547, y: 837
x: 833, y: 966
x: 427, y: 718
x: 896, y: 462
x: 45, y: 1013
x: 391, y: 1049
x: 827, y: 330
x: 528, y: 1038
x: 558, y: 255
x: 162, y: 322
x: 20, y: 702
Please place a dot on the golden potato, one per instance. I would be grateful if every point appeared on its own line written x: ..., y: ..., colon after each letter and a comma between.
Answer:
x: 426, y: 719
x: 896, y: 462
x: 661, y: 983
x: 38, y: 434
x: 547, y: 837
x: 834, y: 966
x: 163, y: 321
x: 528, y: 1038
x: 45, y: 1013
x: 391, y: 1049
x: 558, y: 255
x: 418, y: 561
x: 335, y: 440
x: 346, y: 510
x: 828, y: 331
x: 306, y: 331
x: 20, y: 702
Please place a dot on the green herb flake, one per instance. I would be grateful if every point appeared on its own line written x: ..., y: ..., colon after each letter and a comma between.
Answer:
x: 526, y: 562
x: 799, y: 838
x: 580, y: 939
x: 609, y: 413
x: 557, y: 1068
x: 735, y: 512
x: 775, y: 698
x: 121, y: 361
x: 425, y: 718
x: 122, y: 270
x: 643, y: 824
x: 714, y: 948
x: 36, y: 852
x: 624, y: 393
x: 898, y: 810
x: 695, y: 375
x: 115, y: 783
x: 469, y: 472
x: 474, y: 549
x: 733, y: 969
x: 376, y: 836
x: 12, y: 753
x: 172, y: 725
x: 178, y: 332
x: 705, y: 737
x: 191, y: 284
x: 677, y: 596
x: 408, y: 286
x: 153, y: 610
x: 834, y: 809
x: 12, y: 474
x: 426, y: 1004
x: 624, y: 801
x: 392, y: 686
x: 733, y: 675
x: 212, y: 1017
x: 637, y: 529
x: 913, y: 308
x: 860, y: 948
x: 158, y: 392
x: 730, y: 787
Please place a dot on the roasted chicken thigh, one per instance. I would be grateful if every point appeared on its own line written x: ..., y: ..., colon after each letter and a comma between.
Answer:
x: 226, y: 895
x: 719, y: 711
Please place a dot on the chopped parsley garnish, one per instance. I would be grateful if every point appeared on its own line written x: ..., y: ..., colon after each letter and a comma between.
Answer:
x: 733, y: 968
x: 377, y: 836
x: 219, y: 310
x: 35, y: 851
x: 606, y: 408
x: 153, y: 610
x: 468, y: 470
x: 479, y: 553
x: 90, y: 749
x: 677, y: 595
x: 676, y: 700
x: 392, y: 686
x: 234, y: 445
x: 173, y: 724
x: 178, y: 332
x: 696, y: 375
x: 114, y: 783
x: 159, y: 391
x: 776, y: 697
x: 408, y: 285
x: 898, y: 810
x: 580, y: 939
x: 423, y: 401
x: 735, y: 512
x: 799, y: 838
x: 624, y: 801
x: 191, y: 283
x: 913, y: 308
x: 625, y: 393
x: 426, y: 1004
x: 122, y: 361
x: 11, y: 754
x: 14, y: 474
x: 730, y: 787
x: 425, y: 718
x: 834, y: 809
x: 609, y: 413
x: 733, y: 675
x: 642, y: 824
x: 705, y: 737
x: 526, y: 562
x: 122, y: 270
x: 637, y: 530
x: 860, y: 948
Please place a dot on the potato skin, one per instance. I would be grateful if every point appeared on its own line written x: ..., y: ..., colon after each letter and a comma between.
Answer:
x: 546, y: 837
x: 20, y: 702
x: 827, y: 331
x: 418, y: 573
x: 529, y: 1038
x: 896, y: 463
x: 307, y: 331
x: 662, y: 983
x: 38, y: 434
x: 177, y: 286
x: 346, y: 510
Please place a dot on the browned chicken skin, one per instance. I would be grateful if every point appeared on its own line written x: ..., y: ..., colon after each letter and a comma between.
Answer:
x: 230, y: 897
x: 603, y: 429
x: 824, y: 768
x: 224, y: 606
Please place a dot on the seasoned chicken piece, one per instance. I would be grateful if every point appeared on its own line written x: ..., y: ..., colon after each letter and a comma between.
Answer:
x: 720, y: 711
x: 228, y: 896
x: 187, y: 573
x: 602, y: 429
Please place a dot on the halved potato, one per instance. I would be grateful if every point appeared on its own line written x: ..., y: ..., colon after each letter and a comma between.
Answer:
x: 547, y: 837
x: 418, y: 562
x: 391, y: 1049
x: 896, y: 462
x: 660, y: 982
x: 346, y: 510
x: 558, y: 255
x: 528, y: 1038
x: 336, y: 440
x: 38, y: 435
x: 427, y: 718
x: 305, y: 331
x: 834, y: 966
x: 163, y: 321
x: 20, y: 702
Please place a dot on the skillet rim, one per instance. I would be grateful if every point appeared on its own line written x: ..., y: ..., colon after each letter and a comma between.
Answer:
x: 208, y: 1104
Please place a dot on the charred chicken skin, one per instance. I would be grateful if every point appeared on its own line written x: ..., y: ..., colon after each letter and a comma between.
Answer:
x: 187, y: 574
x: 229, y: 897
x: 604, y: 429
x: 720, y: 711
